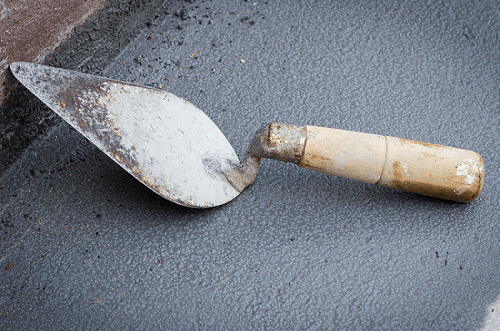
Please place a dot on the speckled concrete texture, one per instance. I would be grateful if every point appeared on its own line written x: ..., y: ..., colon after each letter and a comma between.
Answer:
x: 88, y: 247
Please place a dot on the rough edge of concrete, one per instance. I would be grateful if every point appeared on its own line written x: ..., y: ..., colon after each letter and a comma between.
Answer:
x: 9, y: 85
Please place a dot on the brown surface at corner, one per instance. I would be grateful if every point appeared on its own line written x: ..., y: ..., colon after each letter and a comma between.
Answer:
x: 31, y: 30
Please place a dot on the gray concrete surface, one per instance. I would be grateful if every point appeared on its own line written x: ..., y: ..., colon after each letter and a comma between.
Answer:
x: 88, y: 247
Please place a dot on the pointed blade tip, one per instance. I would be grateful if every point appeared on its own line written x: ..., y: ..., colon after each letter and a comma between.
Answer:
x: 20, y: 70
x: 15, y: 66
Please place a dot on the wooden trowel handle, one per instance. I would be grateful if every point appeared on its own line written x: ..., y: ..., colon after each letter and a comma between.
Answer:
x: 411, y: 166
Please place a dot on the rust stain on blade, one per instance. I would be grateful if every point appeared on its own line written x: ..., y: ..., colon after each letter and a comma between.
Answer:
x: 92, y: 117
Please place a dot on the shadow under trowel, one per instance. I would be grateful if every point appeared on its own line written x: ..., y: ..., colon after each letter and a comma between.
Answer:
x: 23, y: 118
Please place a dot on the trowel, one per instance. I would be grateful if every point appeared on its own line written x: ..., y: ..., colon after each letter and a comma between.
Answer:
x: 173, y: 148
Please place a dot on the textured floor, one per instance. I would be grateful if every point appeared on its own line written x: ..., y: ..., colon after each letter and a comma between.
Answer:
x: 85, y: 246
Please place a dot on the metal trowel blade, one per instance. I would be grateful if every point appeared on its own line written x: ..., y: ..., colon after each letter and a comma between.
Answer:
x: 165, y: 142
